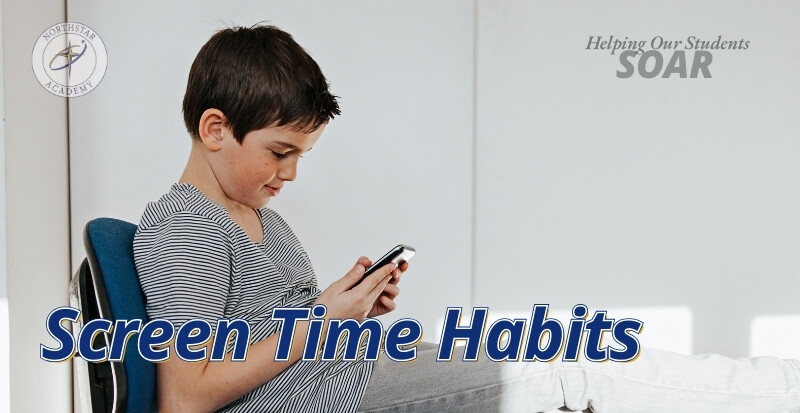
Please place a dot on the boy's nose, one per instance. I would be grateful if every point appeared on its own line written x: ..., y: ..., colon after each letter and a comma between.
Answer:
x: 288, y: 173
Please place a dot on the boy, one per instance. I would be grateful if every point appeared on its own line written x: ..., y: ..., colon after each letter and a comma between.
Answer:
x: 210, y: 249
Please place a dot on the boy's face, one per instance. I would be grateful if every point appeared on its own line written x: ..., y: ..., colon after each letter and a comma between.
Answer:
x: 256, y: 170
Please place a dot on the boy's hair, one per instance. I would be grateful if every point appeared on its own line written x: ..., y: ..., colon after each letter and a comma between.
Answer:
x: 257, y: 77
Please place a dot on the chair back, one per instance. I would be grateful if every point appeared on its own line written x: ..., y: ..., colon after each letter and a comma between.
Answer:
x: 108, y: 287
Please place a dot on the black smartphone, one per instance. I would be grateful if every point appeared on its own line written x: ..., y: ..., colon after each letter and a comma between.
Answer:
x: 397, y: 255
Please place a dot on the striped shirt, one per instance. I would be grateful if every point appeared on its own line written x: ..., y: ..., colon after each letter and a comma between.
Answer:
x: 194, y: 262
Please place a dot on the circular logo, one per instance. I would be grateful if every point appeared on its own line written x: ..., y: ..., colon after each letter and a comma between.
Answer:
x: 69, y: 59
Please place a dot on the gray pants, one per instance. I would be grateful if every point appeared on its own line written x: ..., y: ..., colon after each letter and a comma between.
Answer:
x: 657, y: 381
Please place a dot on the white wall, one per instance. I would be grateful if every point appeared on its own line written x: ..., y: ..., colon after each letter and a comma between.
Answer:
x: 37, y: 210
x: 664, y: 193
x: 4, y: 353
x: 668, y: 199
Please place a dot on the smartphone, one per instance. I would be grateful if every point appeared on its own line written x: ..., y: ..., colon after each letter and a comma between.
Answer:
x: 397, y: 255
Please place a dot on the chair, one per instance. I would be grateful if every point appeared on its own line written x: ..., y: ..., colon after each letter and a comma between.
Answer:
x: 106, y: 286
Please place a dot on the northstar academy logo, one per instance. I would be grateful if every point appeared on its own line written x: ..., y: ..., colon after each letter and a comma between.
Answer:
x: 69, y: 59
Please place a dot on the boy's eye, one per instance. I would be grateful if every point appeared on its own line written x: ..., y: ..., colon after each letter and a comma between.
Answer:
x: 280, y: 155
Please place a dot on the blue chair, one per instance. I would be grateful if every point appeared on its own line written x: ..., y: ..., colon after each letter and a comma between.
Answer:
x: 106, y: 286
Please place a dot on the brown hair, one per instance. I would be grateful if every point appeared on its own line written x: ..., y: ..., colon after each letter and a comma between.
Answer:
x: 257, y: 77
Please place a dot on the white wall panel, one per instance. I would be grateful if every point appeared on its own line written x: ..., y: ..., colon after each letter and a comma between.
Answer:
x: 394, y: 168
x: 37, y: 211
x: 639, y: 192
x: 4, y: 330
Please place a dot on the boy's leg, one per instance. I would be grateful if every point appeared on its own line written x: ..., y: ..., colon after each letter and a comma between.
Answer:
x: 425, y: 385
x: 657, y: 381
x: 661, y: 381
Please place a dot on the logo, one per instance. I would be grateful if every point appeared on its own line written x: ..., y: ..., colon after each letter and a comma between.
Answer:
x: 690, y: 57
x: 69, y: 59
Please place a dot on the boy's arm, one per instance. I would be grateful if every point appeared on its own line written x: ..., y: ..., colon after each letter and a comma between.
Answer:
x: 206, y: 386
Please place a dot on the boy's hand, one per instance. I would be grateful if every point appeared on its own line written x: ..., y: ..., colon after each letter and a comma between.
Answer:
x: 385, y: 302
x: 342, y: 300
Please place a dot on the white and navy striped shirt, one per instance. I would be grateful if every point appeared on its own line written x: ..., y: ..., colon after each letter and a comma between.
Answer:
x: 194, y: 262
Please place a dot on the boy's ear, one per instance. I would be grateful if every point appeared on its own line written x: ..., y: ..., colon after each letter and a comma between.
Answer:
x: 211, y: 129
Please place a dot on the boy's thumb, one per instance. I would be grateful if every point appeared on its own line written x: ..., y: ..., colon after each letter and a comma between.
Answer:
x: 355, y: 273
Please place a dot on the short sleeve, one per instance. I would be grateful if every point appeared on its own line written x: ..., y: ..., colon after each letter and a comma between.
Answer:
x: 184, y: 268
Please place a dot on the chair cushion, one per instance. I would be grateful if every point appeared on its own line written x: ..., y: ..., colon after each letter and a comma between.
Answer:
x: 109, y: 243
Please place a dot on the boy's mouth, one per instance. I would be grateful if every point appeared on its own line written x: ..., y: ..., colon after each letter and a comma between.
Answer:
x: 272, y: 190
